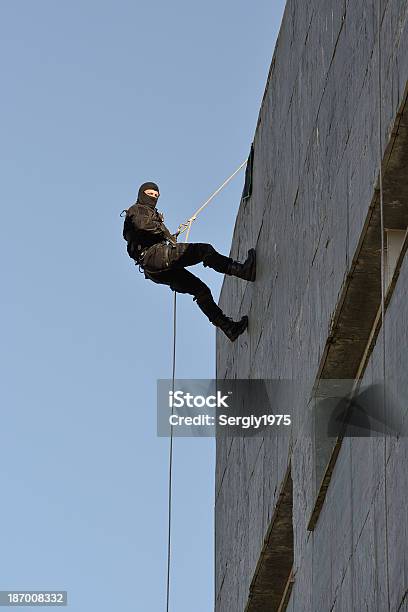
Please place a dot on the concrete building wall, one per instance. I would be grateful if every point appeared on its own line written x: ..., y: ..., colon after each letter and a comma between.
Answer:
x: 313, y: 210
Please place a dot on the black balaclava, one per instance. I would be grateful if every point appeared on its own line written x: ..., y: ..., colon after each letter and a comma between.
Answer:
x: 145, y: 199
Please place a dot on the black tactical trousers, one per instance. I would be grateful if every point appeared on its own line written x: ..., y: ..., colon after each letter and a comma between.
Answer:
x: 165, y: 264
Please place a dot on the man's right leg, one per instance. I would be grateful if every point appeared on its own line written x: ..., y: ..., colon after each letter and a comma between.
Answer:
x: 183, y: 281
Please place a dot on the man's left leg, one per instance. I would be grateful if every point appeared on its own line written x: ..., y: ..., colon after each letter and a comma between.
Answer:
x: 188, y: 254
x: 183, y: 281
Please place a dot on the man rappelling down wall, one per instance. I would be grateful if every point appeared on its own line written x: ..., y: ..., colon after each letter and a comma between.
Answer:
x: 164, y: 261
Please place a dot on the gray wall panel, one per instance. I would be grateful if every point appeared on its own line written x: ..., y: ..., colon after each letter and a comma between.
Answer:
x: 315, y: 170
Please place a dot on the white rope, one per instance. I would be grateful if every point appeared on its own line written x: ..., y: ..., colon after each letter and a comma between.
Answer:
x: 187, y: 227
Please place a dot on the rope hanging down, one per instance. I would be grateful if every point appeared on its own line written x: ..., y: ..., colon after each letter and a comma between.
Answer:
x: 184, y: 227
x: 171, y: 458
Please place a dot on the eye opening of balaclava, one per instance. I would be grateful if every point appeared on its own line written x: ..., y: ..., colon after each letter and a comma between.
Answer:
x: 145, y: 199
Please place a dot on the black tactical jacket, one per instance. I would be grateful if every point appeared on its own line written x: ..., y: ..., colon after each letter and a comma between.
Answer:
x: 144, y: 227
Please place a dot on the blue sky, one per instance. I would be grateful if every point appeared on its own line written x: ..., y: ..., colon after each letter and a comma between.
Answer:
x: 98, y: 97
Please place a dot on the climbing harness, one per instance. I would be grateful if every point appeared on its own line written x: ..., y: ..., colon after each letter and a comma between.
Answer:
x: 184, y: 227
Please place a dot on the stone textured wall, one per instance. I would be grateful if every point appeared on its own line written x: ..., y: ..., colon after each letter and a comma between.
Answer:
x: 315, y: 173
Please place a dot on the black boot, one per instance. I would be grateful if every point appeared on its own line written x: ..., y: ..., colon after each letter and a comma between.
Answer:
x: 246, y: 270
x: 232, y: 329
